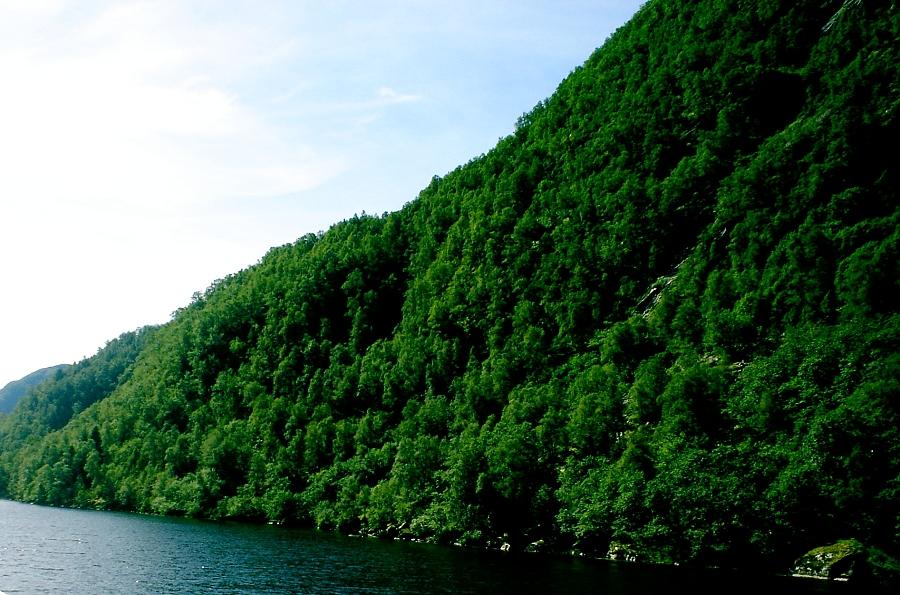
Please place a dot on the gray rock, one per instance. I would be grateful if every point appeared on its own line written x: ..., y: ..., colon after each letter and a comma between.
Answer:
x: 622, y: 551
x: 837, y: 561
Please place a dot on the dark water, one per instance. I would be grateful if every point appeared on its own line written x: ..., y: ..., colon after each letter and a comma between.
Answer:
x: 50, y: 550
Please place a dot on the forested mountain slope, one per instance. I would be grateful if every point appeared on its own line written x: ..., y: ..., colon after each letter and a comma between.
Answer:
x: 15, y: 390
x: 659, y: 319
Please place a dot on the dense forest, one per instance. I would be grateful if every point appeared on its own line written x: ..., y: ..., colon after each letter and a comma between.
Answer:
x: 659, y: 320
x: 15, y: 390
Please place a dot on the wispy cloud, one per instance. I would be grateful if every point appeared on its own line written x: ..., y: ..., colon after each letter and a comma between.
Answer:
x: 125, y: 105
x: 388, y: 96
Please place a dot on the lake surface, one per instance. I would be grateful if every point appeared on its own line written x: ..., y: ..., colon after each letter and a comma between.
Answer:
x: 51, y: 550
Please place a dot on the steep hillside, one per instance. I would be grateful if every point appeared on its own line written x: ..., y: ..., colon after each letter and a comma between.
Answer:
x: 659, y: 320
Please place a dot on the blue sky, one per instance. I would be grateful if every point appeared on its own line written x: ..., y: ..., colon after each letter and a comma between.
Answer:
x: 149, y: 148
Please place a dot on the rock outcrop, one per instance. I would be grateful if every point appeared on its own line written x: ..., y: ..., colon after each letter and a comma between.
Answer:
x: 838, y: 561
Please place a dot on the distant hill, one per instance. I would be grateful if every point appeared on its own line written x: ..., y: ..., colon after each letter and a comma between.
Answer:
x: 15, y: 390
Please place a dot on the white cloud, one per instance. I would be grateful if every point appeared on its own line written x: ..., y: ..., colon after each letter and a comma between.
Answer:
x: 123, y: 109
x: 31, y: 10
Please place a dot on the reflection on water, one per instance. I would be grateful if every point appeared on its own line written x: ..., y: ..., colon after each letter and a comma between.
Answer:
x: 48, y: 550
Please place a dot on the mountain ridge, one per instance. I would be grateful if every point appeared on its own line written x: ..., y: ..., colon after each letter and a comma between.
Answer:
x: 16, y: 389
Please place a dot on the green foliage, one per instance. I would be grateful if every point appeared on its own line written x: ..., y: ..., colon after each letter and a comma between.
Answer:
x: 15, y: 390
x: 661, y: 315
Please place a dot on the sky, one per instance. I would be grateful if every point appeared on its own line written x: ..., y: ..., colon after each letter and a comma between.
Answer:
x: 148, y: 148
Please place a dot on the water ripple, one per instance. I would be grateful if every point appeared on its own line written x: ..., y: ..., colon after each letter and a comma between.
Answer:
x: 46, y: 550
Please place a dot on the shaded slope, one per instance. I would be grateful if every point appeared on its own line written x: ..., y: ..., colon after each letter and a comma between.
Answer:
x: 15, y: 390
